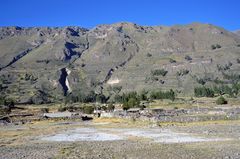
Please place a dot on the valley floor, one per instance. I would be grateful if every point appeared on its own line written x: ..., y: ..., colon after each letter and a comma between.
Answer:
x: 120, y: 138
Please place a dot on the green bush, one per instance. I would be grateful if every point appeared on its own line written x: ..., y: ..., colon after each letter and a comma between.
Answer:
x: 88, y: 109
x: 110, y: 107
x: 203, y: 92
x: 2, y: 100
x: 85, y: 97
x: 131, y: 103
x: 159, y: 72
x: 125, y: 106
x: 163, y: 95
x: 221, y: 100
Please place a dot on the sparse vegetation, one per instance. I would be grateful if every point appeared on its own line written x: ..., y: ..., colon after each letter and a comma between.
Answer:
x: 182, y: 72
x: 216, y: 46
x: 224, y: 67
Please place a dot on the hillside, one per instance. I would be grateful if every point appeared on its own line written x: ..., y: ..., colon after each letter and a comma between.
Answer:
x: 237, y: 32
x: 44, y: 64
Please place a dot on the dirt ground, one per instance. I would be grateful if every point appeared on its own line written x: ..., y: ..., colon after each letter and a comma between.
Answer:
x: 118, y: 138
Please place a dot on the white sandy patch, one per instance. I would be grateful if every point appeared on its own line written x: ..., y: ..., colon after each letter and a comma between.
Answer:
x: 167, y: 136
x: 113, y: 81
x: 83, y: 134
x: 111, y: 134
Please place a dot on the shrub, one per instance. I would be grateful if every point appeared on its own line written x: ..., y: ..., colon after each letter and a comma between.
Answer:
x: 2, y: 100
x: 213, y: 47
x: 44, y: 110
x: 203, y: 92
x: 221, y: 100
x: 104, y: 108
x: 238, y: 60
x: 71, y: 108
x: 125, y: 106
x: 143, y: 95
x: 201, y: 81
x: 110, y: 107
x: 133, y: 102
x: 158, y: 72
x: 62, y: 109
x: 188, y: 58
x: 85, y: 97
x: 172, y: 61
x: 101, y: 98
x: 217, y: 46
x: 4, y: 110
x: 163, y: 95
x: 149, y: 55
x: 182, y: 72
x: 88, y: 109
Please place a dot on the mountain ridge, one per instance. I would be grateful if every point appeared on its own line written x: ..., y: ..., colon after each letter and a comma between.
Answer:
x: 123, y: 55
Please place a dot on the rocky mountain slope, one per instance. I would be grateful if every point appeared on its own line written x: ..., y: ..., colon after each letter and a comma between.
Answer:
x: 237, y: 32
x: 45, y: 64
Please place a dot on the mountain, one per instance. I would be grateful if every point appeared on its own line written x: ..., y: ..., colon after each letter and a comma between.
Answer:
x: 44, y: 64
x: 237, y: 32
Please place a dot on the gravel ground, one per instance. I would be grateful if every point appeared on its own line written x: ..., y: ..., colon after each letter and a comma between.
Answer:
x: 24, y: 146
